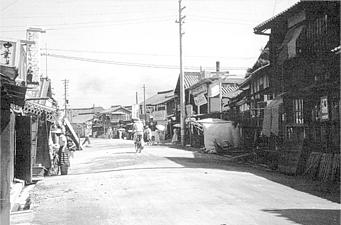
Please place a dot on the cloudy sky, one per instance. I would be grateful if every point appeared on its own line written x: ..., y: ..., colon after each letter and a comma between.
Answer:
x: 141, y: 36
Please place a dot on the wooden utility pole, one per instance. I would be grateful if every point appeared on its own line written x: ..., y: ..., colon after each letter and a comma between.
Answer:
x: 137, y: 99
x: 180, y: 21
x: 144, y: 103
x: 66, y: 83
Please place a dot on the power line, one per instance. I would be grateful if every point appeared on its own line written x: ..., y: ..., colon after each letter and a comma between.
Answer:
x: 9, y: 5
x: 142, y: 54
x: 125, y: 12
x: 133, y: 64
x: 93, y: 22
x: 94, y: 26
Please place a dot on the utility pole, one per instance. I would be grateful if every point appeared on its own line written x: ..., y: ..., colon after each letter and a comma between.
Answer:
x: 180, y: 21
x: 66, y: 88
x: 144, y: 103
x: 137, y: 99
x: 46, y: 60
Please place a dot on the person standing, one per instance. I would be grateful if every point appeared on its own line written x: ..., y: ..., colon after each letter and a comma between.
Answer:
x: 64, y: 161
x: 87, y: 135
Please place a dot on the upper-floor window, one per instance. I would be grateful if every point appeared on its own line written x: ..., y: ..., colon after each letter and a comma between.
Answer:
x: 298, y: 111
x: 161, y: 107
x: 315, y: 37
x: 259, y: 84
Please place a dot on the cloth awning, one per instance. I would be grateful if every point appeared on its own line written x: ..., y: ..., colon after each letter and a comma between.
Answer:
x: 271, y: 117
x: 289, y: 44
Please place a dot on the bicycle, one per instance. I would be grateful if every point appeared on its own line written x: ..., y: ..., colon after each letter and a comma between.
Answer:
x: 138, y: 143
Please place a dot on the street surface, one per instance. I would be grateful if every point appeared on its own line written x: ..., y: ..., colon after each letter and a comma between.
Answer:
x: 110, y: 184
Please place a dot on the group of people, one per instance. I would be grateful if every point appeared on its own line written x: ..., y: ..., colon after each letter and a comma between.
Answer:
x: 151, y: 137
x: 144, y: 135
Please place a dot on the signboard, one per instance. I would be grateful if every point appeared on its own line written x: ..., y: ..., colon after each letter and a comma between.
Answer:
x: 214, y: 105
x: 159, y: 115
x: 200, y: 100
x: 135, y: 111
x: 7, y: 53
x: 202, y: 89
x: 33, y: 53
x: 324, y: 108
x: 32, y: 91
x: 214, y: 89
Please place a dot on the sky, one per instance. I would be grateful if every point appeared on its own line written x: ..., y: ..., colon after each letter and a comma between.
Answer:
x: 140, y: 34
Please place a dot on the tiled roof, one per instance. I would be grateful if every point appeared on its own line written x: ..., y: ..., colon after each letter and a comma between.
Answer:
x: 92, y: 110
x: 297, y: 7
x: 233, y: 80
x: 229, y: 91
x: 114, y: 109
x: 160, y: 97
x: 81, y: 118
x: 266, y: 24
x: 191, y: 78
x: 254, y: 73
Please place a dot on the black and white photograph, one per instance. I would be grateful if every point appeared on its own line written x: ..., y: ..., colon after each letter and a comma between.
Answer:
x: 170, y: 112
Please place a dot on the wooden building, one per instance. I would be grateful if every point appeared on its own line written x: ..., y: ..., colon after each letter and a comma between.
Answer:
x: 305, y: 62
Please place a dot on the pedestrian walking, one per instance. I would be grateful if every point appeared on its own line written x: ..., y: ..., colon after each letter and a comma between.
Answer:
x: 147, y: 135
x: 175, y: 138
x: 138, y: 135
x: 87, y: 136
x: 157, y: 136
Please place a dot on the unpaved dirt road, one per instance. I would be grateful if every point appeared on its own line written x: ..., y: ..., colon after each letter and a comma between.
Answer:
x: 110, y: 184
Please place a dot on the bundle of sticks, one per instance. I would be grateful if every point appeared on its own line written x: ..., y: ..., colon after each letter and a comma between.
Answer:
x: 312, y: 165
x: 335, y: 173
x: 325, y: 167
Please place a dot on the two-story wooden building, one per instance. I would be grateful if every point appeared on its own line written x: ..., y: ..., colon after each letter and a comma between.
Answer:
x: 305, y: 62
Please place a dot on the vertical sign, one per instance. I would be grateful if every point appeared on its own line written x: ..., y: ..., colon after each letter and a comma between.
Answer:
x: 7, y: 53
x: 33, y: 54
x: 135, y: 111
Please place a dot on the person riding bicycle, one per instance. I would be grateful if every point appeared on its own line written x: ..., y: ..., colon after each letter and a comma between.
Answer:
x: 138, y: 133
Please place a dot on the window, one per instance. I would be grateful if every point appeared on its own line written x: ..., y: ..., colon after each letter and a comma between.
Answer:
x: 161, y: 107
x: 316, y: 32
x: 261, y: 83
x: 266, y: 81
x: 298, y: 111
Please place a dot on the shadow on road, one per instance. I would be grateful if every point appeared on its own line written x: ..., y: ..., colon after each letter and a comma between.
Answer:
x: 330, y: 191
x: 126, y: 169
x: 308, y: 216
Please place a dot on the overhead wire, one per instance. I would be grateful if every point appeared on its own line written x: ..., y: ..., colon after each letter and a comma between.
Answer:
x: 133, y: 64
x: 93, y: 26
x: 138, y: 53
x: 9, y: 5
x: 92, y: 22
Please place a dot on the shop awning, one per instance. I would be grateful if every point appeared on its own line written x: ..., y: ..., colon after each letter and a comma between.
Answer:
x: 37, y: 109
x: 271, y: 117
